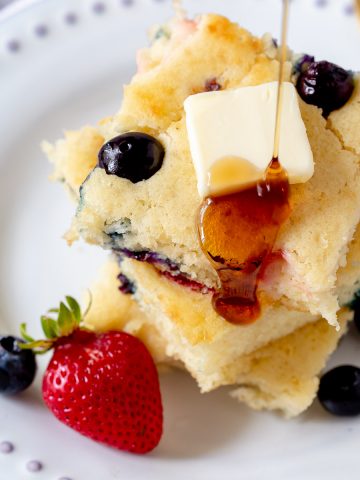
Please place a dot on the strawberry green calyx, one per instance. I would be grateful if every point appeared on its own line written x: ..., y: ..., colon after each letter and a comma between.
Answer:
x: 62, y: 322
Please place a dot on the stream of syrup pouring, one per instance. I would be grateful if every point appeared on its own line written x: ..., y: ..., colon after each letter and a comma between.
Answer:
x: 238, y: 230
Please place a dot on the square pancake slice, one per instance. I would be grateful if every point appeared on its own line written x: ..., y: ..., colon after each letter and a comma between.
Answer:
x: 158, y: 215
x: 281, y: 375
x: 150, y: 226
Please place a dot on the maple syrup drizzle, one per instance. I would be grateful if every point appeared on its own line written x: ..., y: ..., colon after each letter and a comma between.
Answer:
x: 238, y: 230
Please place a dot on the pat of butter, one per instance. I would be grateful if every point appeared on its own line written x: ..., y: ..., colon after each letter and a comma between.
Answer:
x: 231, y: 136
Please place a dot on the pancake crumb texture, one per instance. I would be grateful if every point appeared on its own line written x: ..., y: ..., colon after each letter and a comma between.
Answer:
x: 275, y: 362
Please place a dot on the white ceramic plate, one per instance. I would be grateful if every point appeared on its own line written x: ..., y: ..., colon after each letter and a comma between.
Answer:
x: 62, y: 64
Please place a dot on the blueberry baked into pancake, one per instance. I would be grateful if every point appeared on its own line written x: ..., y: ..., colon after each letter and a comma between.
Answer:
x: 194, y: 129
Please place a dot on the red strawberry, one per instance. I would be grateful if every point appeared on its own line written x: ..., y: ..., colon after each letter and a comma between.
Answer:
x: 105, y: 386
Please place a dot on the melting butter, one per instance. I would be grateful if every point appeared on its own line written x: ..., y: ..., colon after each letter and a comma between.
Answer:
x: 226, y: 174
x: 240, y: 124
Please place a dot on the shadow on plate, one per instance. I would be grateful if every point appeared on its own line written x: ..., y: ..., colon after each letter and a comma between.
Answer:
x: 195, y: 423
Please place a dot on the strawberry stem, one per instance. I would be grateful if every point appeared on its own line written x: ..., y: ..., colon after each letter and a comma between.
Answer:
x: 68, y: 318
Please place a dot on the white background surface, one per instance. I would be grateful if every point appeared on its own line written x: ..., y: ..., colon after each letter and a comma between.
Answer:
x: 74, y: 76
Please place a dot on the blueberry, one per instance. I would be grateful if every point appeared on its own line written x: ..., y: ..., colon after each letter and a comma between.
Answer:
x: 339, y: 391
x: 150, y: 257
x: 126, y: 285
x: 135, y: 156
x: 17, y: 367
x: 303, y: 63
x: 212, y: 85
x: 325, y: 85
